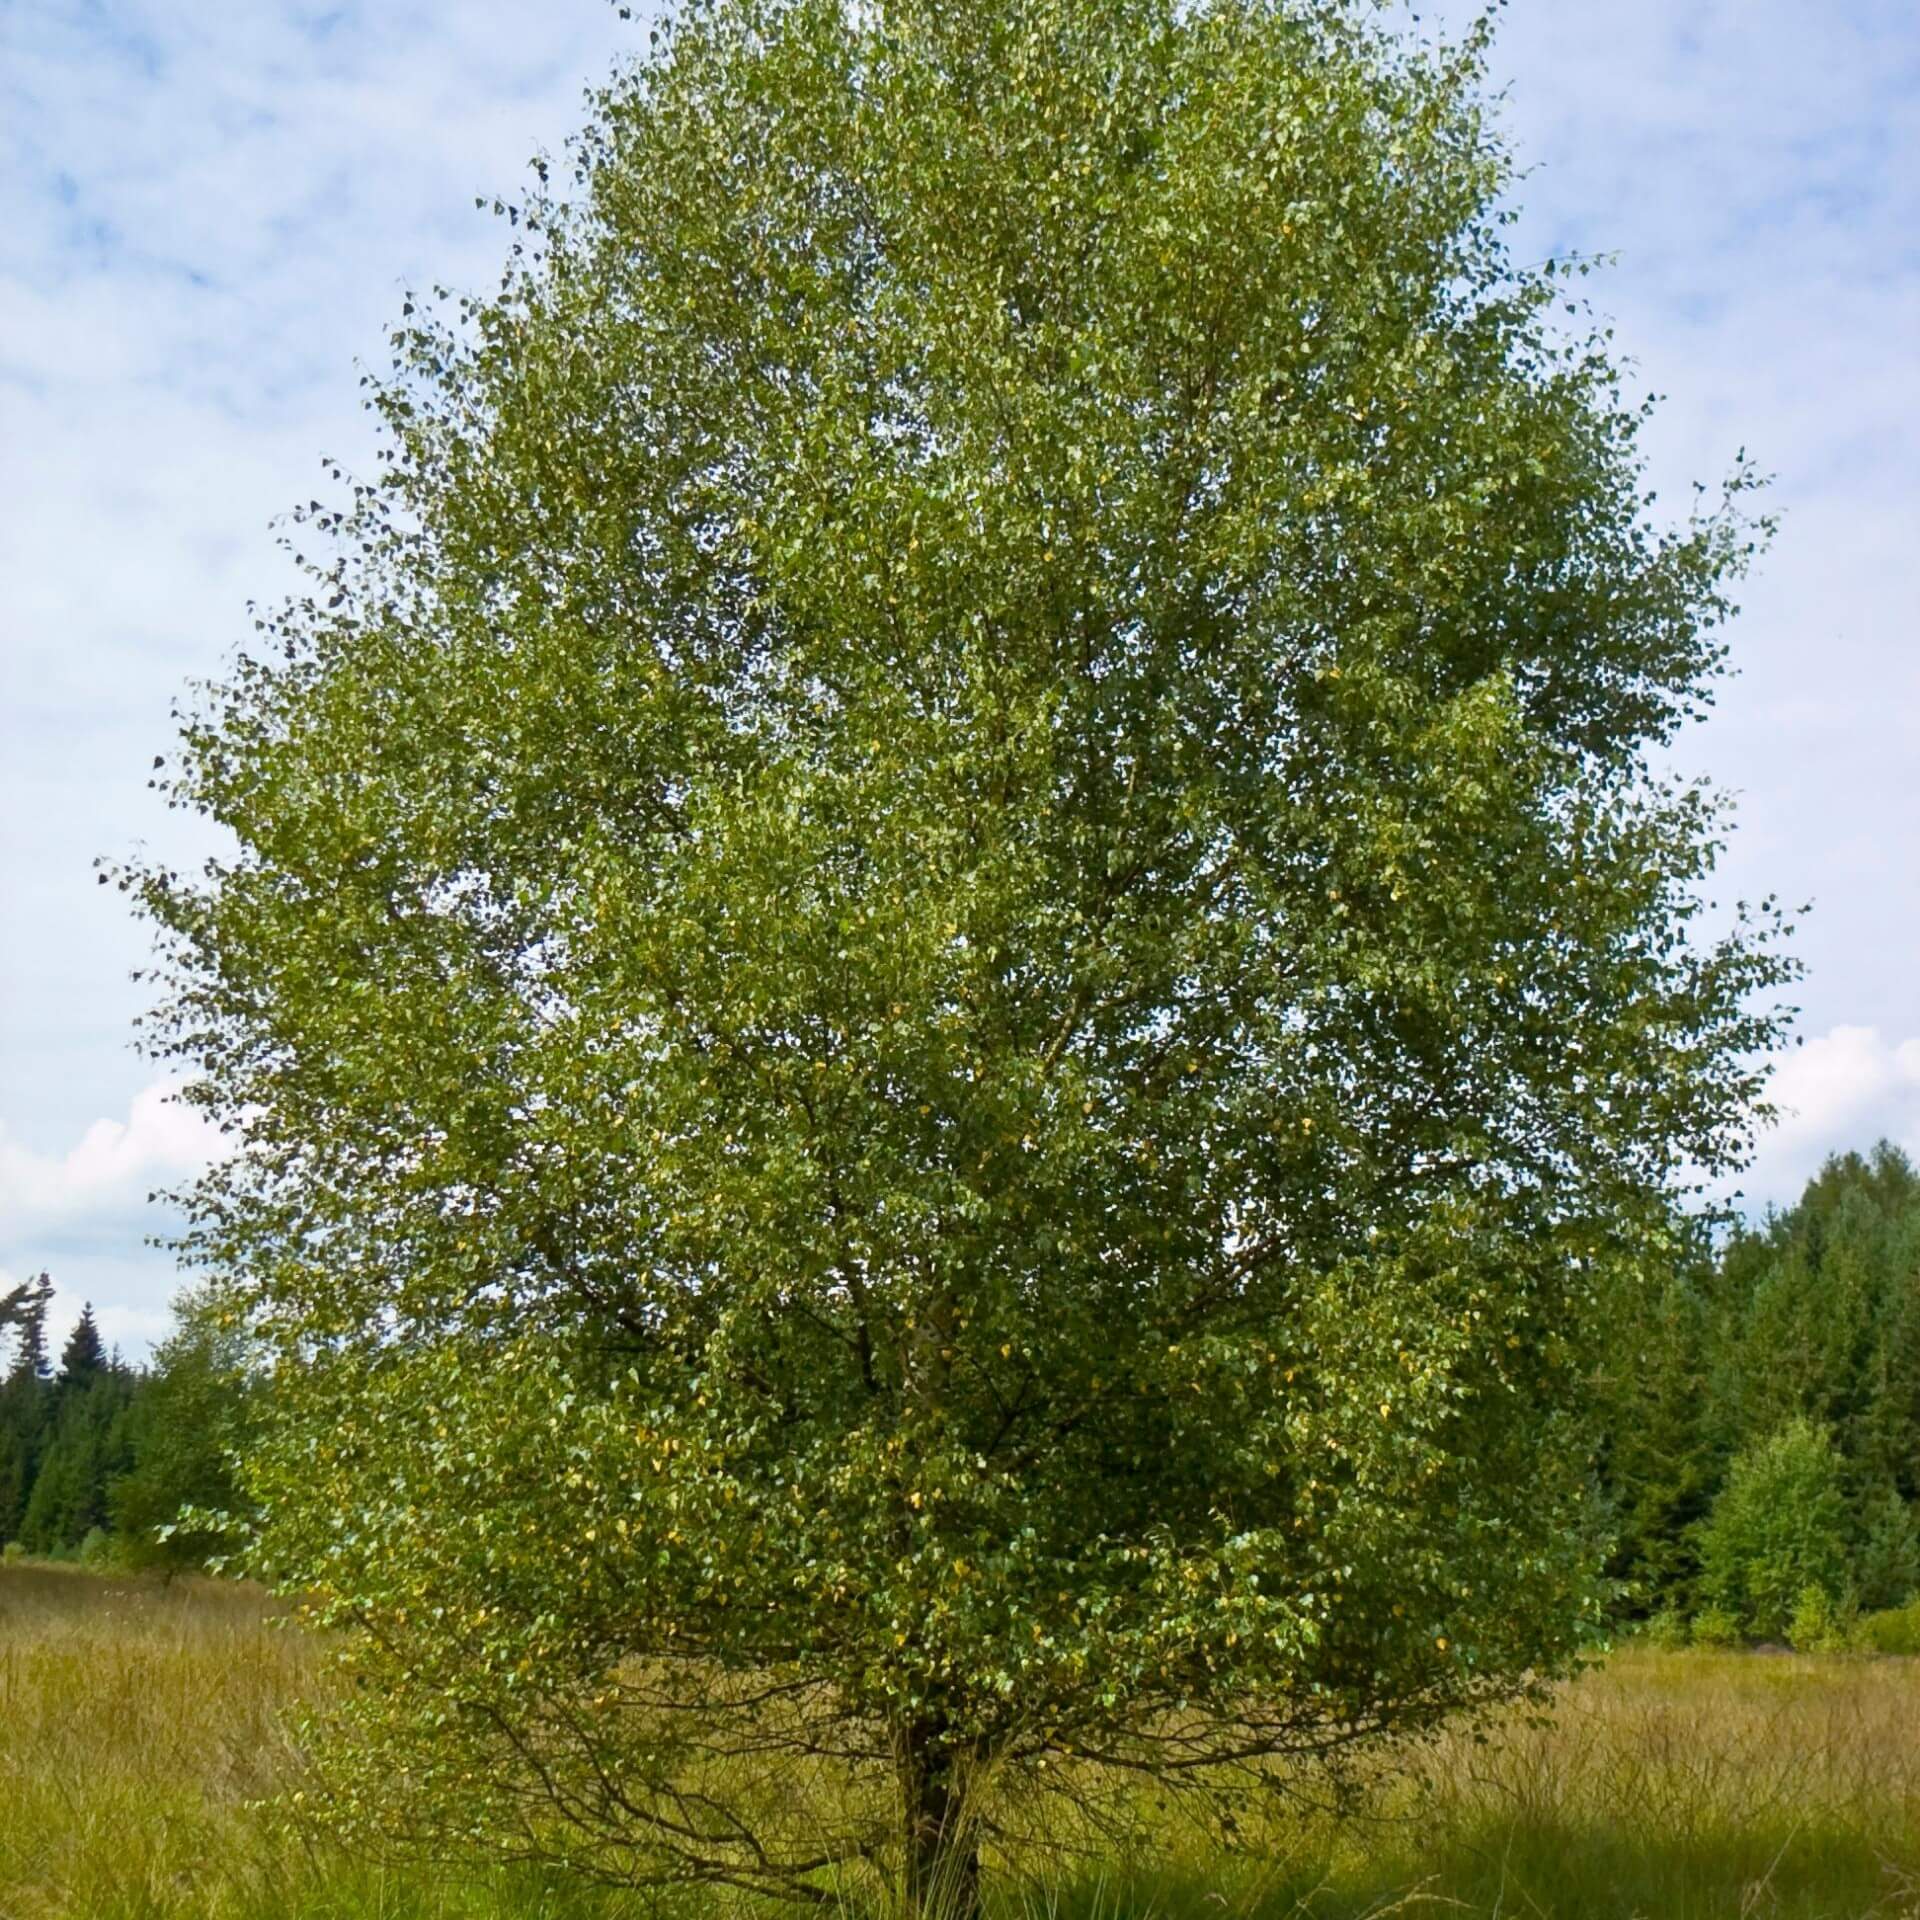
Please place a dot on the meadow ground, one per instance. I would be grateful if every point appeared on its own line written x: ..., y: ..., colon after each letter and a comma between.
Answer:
x: 139, y: 1721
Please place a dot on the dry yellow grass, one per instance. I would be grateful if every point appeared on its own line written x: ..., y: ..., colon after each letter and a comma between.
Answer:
x: 136, y: 1719
x: 137, y: 1722
x: 1664, y: 1740
x: 1678, y: 1786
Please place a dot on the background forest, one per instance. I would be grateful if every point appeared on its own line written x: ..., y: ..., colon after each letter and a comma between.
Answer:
x: 98, y: 1459
x: 1760, y: 1466
x: 1764, y: 1432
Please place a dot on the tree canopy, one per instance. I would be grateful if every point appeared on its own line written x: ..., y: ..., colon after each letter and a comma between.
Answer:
x: 954, y: 976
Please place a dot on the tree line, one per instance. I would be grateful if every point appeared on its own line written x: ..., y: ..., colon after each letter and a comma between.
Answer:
x: 1762, y: 1447
x: 99, y: 1459
x: 1762, y: 1438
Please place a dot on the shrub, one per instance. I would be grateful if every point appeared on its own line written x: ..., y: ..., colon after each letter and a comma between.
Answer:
x: 1891, y: 1630
x: 1716, y: 1627
x: 1819, y: 1625
x: 97, y: 1548
x: 1778, y: 1527
x: 12, y: 1551
x: 182, y: 1432
x: 1666, y: 1630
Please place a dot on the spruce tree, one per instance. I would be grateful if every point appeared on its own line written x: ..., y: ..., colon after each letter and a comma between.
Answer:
x: 84, y: 1357
x: 24, y: 1310
x: 1659, y: 1465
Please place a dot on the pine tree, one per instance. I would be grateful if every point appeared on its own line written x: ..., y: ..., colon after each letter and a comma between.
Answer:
x: 1659, y: 1464
x: 1887, y: 1556
x: 1888, y: 1437
x: 25, y: 1310
x: 84, y: 1357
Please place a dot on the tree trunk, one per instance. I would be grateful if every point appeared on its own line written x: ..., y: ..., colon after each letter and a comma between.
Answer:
x: 943, y: 1854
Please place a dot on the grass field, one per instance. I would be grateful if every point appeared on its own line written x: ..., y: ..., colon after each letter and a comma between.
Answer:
x: 138, y: 1721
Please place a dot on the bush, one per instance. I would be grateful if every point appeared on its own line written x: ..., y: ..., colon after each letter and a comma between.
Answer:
x: 182, y: 1431
x: 1891, y: 1630
x: 1666, y: 1630
x: 97, y: 1549
x: 1716, y: 1627
x: 1778, y: 1528
x: 12, y: 1551
x: 1818, y: 1624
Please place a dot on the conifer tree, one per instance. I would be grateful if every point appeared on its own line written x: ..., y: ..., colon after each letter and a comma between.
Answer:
x: 84, y: 1357
x: 86, y: 1448
x: 1659, y: 1464
x: 24, y: 1310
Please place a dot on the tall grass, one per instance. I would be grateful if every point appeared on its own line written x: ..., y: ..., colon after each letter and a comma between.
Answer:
x: 1665, y: 1786
x: 139, y: 1722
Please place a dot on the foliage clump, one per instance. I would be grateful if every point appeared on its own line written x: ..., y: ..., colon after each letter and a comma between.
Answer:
x: 1893, y: 1630
x: 1716, y: 1629
x: 178, y: 1504
x: 954, y: 975
x: 1777, y: 1531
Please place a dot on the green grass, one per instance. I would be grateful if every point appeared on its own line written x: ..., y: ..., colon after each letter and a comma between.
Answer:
x: 138, y: 1722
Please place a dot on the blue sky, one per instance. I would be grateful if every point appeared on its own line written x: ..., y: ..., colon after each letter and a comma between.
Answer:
x: 209, y: 213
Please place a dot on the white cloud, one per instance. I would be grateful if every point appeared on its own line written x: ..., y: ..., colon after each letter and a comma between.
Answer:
x: 1842, y: 1091
x: 83, y: 1215
x: 160, y: 1140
